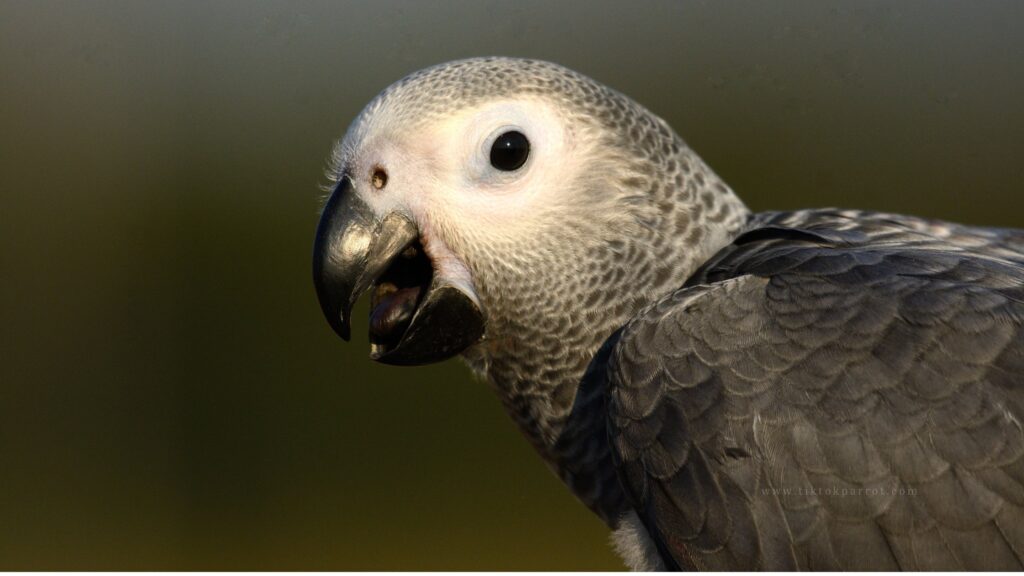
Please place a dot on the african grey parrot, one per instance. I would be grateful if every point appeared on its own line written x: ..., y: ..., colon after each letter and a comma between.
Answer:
x: 820, y: 389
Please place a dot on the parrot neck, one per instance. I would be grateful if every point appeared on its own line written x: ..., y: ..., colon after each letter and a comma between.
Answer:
x: 538, y: 347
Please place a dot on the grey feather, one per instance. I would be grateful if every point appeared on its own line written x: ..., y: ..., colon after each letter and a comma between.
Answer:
x: 857, y: 372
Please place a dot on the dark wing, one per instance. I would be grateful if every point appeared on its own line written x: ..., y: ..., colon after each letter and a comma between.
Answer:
x: 819, y: 399
x: 897, y: 230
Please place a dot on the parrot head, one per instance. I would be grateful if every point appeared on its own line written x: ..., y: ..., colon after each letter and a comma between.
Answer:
x: 499, y: 207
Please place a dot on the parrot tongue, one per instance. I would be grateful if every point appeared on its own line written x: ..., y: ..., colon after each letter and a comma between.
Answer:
x: 397, y: 294
x: 393, y: 308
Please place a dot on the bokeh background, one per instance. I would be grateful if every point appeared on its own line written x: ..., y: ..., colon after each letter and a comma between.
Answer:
x: 169, y: 394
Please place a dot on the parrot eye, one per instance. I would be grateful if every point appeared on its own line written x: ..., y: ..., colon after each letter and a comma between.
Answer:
x: 509, y: 151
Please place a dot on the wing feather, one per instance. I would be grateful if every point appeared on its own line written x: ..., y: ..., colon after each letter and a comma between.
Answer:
x: 835, y: 390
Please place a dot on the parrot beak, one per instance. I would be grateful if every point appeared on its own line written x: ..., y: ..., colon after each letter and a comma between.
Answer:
x: 416, y: 317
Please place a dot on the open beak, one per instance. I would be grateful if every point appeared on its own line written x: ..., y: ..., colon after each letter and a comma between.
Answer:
x: 416, y: 316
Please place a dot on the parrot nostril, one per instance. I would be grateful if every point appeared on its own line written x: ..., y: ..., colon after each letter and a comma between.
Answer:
x: 379, y: 178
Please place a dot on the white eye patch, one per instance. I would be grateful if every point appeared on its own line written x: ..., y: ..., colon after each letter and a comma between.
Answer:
x: 500, y: 123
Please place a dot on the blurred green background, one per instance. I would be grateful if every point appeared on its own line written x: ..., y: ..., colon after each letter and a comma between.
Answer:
x: 170, y: 396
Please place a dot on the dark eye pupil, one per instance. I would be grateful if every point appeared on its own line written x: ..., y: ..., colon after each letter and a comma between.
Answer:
x: 510, y: 151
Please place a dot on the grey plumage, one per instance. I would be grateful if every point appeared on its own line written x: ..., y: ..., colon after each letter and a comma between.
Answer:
x: 841, y: 392
x: 820, y: 389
